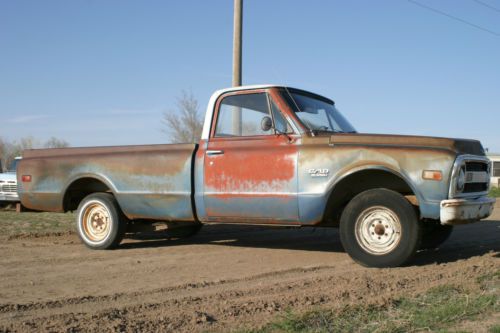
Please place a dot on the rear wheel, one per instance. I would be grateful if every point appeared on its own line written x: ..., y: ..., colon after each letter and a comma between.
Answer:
x: 100, y: 222
x: 379, y: 228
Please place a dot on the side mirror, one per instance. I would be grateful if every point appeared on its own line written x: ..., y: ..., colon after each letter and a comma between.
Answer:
x: 266, y: 123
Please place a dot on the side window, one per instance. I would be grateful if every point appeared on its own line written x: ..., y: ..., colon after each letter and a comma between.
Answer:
x: 279, y: 120
x: 241, y: 115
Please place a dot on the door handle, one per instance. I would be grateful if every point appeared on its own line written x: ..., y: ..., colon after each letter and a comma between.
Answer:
x: 215, y: 152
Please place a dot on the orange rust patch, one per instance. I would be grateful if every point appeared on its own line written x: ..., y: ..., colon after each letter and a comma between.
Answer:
x: 249, y: 172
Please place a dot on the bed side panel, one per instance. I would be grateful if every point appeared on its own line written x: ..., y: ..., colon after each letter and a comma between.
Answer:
x: 152, y: 182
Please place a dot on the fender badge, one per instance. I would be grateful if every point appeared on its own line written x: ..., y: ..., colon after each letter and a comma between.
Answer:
x: 318, y: 172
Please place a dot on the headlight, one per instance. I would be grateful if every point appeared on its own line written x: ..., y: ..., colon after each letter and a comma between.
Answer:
x: 461, y: 180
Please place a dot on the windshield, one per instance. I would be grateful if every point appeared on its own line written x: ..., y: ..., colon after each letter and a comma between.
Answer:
x: 13, y: 166
x: 319, y: 114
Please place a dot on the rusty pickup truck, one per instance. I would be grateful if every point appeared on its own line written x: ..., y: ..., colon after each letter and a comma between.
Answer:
x: 270, y: 155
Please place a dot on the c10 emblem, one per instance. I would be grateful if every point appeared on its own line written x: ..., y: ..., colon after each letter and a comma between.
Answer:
x: 318, y: 172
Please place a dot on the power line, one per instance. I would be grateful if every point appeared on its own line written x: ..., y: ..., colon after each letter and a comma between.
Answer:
x: 455, y: 18
x: 487, y: 5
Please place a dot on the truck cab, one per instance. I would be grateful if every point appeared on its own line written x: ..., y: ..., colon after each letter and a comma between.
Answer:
x: 310, y: 158
x: 8, y: 184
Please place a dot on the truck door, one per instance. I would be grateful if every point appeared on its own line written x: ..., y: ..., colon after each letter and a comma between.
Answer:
x: 250, y: 173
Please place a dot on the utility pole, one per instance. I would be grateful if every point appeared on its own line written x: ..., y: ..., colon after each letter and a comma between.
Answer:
x: 237, y: 42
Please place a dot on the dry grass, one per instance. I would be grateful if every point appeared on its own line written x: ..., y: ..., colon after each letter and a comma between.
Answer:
x: 495, y: 192
x: 14, y: 224
x: 440, y: 309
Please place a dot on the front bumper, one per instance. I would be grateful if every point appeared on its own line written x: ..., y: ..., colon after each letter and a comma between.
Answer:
x: 461, y: 211
x: 6, y: 196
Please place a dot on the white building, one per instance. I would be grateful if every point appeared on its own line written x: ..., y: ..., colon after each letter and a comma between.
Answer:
x: 495, y: 169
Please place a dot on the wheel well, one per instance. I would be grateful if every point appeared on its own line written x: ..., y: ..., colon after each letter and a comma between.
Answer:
x: 360, y: 181
x: 79, y: 189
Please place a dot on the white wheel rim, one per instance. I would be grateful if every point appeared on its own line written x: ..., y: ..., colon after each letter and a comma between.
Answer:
x: 96, y: 222
x: 378, y: 230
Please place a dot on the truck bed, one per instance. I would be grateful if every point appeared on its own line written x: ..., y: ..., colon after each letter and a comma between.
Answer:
x: 149, y: 181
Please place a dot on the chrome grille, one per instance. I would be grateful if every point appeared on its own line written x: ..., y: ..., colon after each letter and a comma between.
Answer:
x: 476, y: 166
x: 477, y: 171
x: 477, y: 177
x: 9, y: 188
x: 475, y: 187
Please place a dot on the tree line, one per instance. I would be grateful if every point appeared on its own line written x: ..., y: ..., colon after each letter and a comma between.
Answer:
x: 9, y: 150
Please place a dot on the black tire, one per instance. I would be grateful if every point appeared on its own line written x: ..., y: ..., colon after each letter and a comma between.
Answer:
x: 379, y: 228
x: 184, y: 232
x: 100, y: 222
x: 434, y: 234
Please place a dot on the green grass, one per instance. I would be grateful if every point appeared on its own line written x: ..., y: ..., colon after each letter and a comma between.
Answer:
x: 495, y: 192
x: 437, y: 310
x: 13, y: 224
x: 494, y: 329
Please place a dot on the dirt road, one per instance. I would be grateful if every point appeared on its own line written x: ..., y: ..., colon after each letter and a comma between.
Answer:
x: 223, y: 278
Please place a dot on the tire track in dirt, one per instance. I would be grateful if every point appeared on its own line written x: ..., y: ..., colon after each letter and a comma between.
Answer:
x: 222, y: 279
x: 232, y: 303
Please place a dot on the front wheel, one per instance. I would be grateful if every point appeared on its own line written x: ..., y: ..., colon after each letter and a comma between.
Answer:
x: 100, y: 222
x: 379, y: 228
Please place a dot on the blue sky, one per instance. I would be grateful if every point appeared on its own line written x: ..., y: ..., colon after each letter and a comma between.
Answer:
x: 103, y: 72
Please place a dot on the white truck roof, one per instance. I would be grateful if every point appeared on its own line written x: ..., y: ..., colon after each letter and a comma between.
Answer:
x: 211, y: 104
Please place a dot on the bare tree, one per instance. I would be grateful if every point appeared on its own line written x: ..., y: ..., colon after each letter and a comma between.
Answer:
x: 185, y: 124
x: 3, y: 150
x: 10, y: 150
x: 54, y: 142
x: 16, y: 148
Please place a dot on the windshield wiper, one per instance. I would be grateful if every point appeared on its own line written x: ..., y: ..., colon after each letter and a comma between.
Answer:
x: 317, y: 131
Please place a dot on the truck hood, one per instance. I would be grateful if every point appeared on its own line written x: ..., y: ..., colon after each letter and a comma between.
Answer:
x: 459, y: 146
x: 8, y: 177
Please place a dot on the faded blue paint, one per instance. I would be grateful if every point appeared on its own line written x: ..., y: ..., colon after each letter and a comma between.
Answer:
x: 271, y: 209
x: 343, y: 161
x: 147, y: 184
x: 199, y: 194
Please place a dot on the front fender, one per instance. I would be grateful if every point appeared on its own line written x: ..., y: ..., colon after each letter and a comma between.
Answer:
x: 377, y: 167
x: 313, y: 207
x: 345, y: 161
